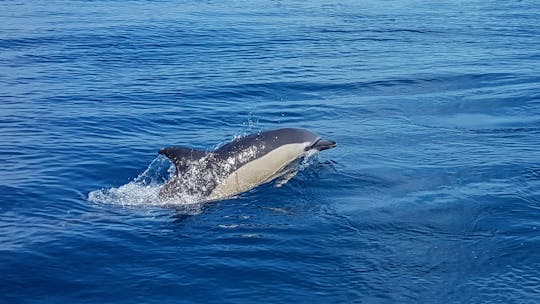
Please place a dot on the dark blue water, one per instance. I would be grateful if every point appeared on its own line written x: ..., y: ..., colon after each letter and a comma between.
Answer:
x: 432, y: 195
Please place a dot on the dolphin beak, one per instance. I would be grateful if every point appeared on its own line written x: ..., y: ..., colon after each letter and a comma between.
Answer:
x: 322, y: 144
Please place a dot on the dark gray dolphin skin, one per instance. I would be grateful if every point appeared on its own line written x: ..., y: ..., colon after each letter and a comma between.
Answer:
x: 240, y: 165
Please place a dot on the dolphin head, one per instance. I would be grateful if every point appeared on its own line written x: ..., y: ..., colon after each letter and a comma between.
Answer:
x: 321, y: 144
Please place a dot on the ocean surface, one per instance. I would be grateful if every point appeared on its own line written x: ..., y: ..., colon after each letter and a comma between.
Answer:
x: 431, y: 196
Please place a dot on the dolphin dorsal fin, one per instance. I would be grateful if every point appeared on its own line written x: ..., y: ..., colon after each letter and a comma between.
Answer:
x: 183, y: 157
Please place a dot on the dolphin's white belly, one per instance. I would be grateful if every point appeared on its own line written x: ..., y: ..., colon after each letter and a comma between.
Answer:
x: 258, y: 171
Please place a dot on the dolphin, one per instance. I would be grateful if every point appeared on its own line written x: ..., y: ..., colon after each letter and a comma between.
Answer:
x: 239, y: 165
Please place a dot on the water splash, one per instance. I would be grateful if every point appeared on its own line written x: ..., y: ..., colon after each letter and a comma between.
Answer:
x: 146, y: 188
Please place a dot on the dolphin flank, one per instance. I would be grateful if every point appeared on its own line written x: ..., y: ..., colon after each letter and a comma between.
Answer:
x: 240, y: 165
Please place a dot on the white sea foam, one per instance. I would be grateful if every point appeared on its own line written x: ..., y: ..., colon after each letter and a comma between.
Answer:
x: 145, y: 189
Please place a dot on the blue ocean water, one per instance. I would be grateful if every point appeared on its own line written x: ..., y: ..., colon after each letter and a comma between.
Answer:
x: 432, y: 195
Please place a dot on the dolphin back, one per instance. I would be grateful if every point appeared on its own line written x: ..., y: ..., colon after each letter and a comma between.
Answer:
x: 266, y: 141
